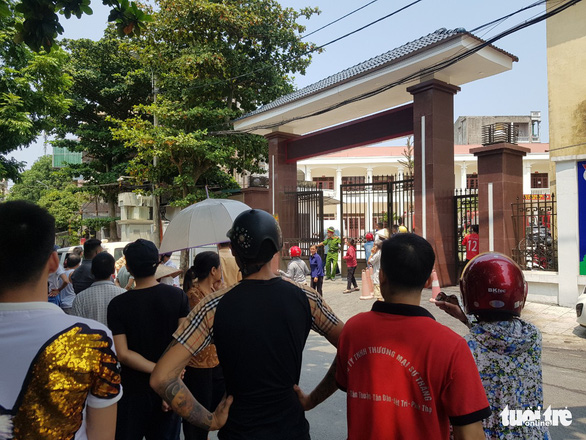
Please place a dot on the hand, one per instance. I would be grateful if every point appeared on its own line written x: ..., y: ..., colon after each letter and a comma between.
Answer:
x: 452, y: 310
x: 315, y: 279
x: 53, y: 293
x: 165, y: 407
x: 304, y: 399
x: 220, y: 415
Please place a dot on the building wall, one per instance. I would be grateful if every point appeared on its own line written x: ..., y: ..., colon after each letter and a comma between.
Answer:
x: 566, y: 64
x: 468, y: 129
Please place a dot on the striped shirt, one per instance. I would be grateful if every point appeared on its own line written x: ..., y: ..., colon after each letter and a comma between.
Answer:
x: 93, y: 302
x: 196, y: 332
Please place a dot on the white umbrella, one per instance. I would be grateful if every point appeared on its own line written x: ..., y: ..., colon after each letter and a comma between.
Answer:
x: 201, y: 224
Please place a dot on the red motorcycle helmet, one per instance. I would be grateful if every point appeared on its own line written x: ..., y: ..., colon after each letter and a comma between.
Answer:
x: 492, y: 282
x: 295, y: 251
x: 369, y: 237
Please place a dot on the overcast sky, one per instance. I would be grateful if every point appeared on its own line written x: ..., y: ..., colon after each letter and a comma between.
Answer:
x: 516, y: 92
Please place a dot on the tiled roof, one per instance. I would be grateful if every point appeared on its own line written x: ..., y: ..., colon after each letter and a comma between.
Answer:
x: 359, y: 69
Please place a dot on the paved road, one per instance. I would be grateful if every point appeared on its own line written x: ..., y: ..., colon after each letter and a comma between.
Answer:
x: 564, y: 370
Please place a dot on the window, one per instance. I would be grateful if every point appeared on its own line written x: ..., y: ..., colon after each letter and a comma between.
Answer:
x: 348, y: 180
x: 472, y: 181
x: 324, y: 182
x: 329, y: 216
x: 539, y: 180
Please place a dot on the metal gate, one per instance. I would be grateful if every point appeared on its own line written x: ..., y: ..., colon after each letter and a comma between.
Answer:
x: 308, y: 206
x: 465, y: 215
x: 534, y: 223
x: 389, y: 200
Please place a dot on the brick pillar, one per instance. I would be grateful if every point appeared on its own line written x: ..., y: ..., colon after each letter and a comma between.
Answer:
x: 500, y: 183
x: 433, y: 128
x: 282, y: 177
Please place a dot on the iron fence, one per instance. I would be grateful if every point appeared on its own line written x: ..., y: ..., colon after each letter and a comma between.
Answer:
x: 534, y: 222
x: 465, y: 215
x: 308, y: 204
x: 364, y: 205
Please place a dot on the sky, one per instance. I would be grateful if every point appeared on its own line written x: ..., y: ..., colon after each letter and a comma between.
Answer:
x: 516, y: 92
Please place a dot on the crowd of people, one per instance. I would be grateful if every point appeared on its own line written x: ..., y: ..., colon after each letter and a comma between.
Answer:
x: 225, y: 352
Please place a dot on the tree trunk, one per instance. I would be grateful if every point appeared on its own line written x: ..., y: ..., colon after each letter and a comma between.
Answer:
x: 112, y: 213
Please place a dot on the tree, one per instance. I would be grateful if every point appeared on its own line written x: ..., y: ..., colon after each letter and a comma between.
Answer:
x: 107, y: 82
x: 52, y: 189
x: 213, y: 61
x: 408, y: 161
x: 31, y: 94
x: 41, y: 25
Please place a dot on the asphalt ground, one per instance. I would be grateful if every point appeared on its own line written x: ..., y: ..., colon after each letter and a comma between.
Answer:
x: 564, y: 361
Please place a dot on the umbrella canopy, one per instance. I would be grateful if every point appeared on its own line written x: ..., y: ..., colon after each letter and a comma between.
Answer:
x: 201, y: 224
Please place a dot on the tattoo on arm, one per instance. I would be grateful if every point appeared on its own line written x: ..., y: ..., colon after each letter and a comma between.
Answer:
x: 183, y: 403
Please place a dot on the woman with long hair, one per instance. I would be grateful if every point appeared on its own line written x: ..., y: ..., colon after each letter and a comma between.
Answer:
x: 203, y: 375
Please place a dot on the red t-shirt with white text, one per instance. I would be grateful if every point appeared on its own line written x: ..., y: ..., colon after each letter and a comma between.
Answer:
x: 471, y: 241
x: 406, y: 376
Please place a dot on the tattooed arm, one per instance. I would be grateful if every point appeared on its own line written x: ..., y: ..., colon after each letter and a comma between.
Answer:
x: 166, y: 381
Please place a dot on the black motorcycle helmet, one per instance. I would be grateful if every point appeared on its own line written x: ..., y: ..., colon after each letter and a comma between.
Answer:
x: 255, y: 237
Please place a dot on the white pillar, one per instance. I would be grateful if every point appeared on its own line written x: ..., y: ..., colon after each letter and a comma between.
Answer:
x: 369, y: 201
x: 463, y: 175
x: 308, y: 176
x: 337, y: 184
x: 400, y: 205
x: 568, y: 234
x: 527, y: 177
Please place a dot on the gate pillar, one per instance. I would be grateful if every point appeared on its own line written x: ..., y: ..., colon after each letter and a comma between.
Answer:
x: 282, y: 175
x: 433, y: 122
x: 500, y: 183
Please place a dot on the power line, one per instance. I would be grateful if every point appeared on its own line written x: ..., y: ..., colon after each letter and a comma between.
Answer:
x: 309, y: 51
x: 431, y: 69
x: 368, y: 25
x: 339, y: 19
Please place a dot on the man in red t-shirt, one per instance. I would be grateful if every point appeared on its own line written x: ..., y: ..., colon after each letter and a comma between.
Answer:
x: 406, y: 376
x: 471, y: 241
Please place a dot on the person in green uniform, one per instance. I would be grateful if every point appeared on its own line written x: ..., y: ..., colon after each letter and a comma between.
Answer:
x: 333, y: 243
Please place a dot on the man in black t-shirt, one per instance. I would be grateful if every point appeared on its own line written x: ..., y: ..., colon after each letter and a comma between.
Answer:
x: 142, y: 321
x: 259, y: 327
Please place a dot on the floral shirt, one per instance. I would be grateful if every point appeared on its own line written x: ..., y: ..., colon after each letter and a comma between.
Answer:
x: 508, y: 356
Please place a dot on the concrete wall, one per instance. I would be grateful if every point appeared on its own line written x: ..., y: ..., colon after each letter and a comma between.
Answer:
x: 566, y: 64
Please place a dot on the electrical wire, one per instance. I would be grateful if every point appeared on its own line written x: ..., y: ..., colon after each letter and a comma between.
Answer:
x: 339, y: 19
x: 431, y: 69
x: 367, y: 25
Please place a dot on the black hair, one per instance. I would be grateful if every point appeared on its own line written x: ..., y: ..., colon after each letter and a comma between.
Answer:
x: 72, y: 260
x: 27, y: 234
x: 351, y: 241
x: 407, y: 261
x: 474, y: 228
x: 103, y: 266
x: 90, y: 247
x: 202, y: 266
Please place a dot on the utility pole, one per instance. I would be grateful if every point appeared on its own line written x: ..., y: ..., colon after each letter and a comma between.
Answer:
x: 156, y: 202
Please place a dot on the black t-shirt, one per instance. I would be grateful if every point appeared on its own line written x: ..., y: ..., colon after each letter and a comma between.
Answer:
x: 260, y: 329
x: 148, y: 318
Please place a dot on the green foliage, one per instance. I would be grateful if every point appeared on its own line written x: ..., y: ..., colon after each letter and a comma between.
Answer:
x: 408, y: 160
x: 97, y: 223
x: 53, y: 190
x: 107, y: 82
x: 31, y: 94
x: 41, y: 25
x: 212, y: 62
